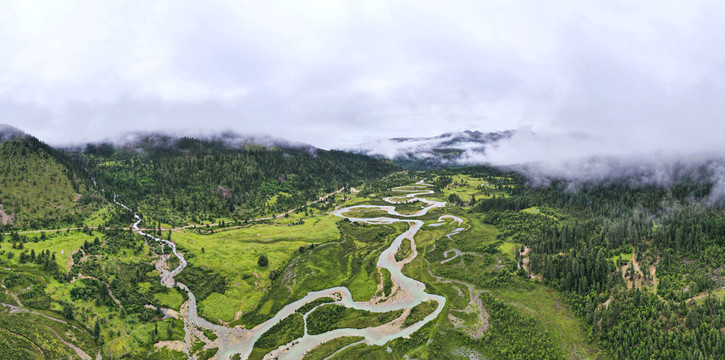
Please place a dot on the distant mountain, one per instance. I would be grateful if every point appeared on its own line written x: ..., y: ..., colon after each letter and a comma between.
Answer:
x: 434, y: 152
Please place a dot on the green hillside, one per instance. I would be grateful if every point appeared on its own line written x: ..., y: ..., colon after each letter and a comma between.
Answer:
x: 40, y: 188
x: 194, y: 180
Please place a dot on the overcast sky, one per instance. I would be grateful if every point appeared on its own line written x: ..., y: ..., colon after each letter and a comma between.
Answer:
x: 642, y: 76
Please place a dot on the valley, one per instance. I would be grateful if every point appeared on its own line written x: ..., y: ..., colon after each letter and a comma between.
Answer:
x: 460, y: 263
x: 365, y: 180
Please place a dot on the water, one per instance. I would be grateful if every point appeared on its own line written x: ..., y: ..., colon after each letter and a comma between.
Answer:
x: 411, y: 292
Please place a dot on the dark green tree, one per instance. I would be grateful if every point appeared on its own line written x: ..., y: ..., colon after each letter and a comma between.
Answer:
x: 263, y: 261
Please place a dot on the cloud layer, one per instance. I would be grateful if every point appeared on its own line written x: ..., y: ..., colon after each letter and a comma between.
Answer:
x: 589, y: 78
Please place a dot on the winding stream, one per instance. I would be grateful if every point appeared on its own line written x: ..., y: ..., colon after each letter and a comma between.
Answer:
x: 410, y: 292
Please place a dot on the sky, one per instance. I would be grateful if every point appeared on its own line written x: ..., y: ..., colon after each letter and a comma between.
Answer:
x: 587, y: 78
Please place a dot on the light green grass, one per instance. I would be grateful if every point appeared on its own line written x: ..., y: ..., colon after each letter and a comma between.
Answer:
x: 330, y: 347
x: 532, y: 210
x: 234, y: 254
x: 315, y: 230
x: 626, y: 257
x: 509, y: 249
x: 220, y: 306
x: 171, y: 299
x: 99, y: 217
x: 470, y: 186
x: 548, y: 307
x: 61, y: 243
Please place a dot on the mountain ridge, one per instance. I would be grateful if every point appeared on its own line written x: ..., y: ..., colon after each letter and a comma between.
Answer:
x: 433, y: 152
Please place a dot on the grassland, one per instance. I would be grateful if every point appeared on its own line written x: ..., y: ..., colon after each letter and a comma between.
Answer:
x: 234, y: 254
x: 549, y: 308
x: 350, y: 261
x: 404, y: 251
x: 33, y: 336
x: 363, y: 351
x: 172, y: 299
x: 62, y: 244
x: 466, y: 186
x: 419, y: 312
x: 119, y: 264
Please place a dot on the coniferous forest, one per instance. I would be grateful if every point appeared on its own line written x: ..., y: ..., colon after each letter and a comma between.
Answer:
x: 187, y: 179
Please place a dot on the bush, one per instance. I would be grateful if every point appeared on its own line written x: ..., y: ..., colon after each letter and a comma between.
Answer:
x: 263, y: 261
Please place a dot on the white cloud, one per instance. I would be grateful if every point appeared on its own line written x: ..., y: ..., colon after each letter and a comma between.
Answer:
x: 637, y: 77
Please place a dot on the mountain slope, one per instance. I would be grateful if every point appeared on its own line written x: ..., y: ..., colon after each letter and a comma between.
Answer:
x: 40, y: 186
x: 183, y: 179
x: 434, y: 152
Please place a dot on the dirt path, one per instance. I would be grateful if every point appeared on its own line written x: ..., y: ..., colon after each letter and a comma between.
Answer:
x: 15, y: 309
x: 16, y: 298
x: 82, y: 354
x: 638, y: 278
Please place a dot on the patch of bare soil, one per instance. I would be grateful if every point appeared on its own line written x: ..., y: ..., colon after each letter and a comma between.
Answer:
x: 606, y: 303
x: 455, y: 321
x: 177, y: 345
x: 225, y: 192
x: 171, y: 312
x: 638, y: 277
x: 5, y: 219
x: 526, y: 251
x: 81, y: 354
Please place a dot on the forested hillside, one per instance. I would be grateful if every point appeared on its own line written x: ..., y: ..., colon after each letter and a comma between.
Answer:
x: 41, y: 186
x: 187, y: 179
x: 638, y: 263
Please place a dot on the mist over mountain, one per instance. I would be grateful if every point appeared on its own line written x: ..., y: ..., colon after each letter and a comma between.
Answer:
x: 583, y: 158
x: 140, y: 141
x: 579, y: 158
x: 8, y: 132
x: 447, y: 149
